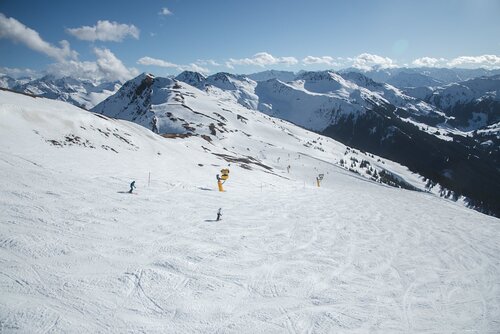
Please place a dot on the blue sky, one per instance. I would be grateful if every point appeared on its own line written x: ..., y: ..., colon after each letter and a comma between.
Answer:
x: 118, y: 39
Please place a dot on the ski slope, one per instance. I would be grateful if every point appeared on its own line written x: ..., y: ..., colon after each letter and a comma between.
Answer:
x: 79, y: 254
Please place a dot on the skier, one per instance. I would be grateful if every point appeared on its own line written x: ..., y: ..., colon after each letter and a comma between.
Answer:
x: 219, y: 214
x: 132, y: 187
x: 154, y: 123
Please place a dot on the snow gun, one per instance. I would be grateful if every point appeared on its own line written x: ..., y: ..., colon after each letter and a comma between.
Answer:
x: 222, y: 178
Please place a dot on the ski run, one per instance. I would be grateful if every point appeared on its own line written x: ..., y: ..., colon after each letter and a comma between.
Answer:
x: 78, y: 254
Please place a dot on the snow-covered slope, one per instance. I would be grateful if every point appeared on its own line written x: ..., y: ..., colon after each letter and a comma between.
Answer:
x: 173, y: 103
x: 224, y: 86
x: 314, y: 100
x: 284, y: 76
x: 463, y: 92
x: 6, y: 81
x: 393, y: 95
x: 317, y: 100
x: 451, y: 75
x: 9, y: 82
x: 80, y: 254
x: 470, y: 104
x: 82, y: 93
x: 302, y: 103
x: 238, y: 87
x: 194, y: 79
x: 402, y: 77
x: 175, y: 108
x: 406, y: 79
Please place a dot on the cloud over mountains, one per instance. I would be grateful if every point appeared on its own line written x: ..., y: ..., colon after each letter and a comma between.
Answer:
x: 105, y: 31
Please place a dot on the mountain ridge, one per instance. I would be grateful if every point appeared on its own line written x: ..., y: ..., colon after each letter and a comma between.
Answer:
x: 339, y: 104
x: 375, y: 122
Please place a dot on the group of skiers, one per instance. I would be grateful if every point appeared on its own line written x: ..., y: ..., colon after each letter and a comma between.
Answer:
x: 219, y: 212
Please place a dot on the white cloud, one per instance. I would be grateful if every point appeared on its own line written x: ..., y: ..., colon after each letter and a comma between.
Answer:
x: 112, y: 67
x: 75, y: 69
x: 325, y: 60
x: 165, y: 12
x: 148, y: 61
x: 106, y: 67
x: 16, y: 31
x: 18, y: 72
x: 206, y: 62
x: 195, y: 67
x: 486, y: 61
x: 105, y: 31
x: 429, y: 62
x: 262, y: 59
x: 367, y: 61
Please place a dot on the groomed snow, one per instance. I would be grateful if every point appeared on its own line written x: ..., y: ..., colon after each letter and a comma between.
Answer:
x: 80, y: 255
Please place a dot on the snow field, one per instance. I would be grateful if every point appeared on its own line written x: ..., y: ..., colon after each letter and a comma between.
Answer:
x: 350, y: 256
x: 79, y: 254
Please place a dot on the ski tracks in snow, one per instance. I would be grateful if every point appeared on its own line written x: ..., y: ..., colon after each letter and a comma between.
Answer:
x: 294, y: 260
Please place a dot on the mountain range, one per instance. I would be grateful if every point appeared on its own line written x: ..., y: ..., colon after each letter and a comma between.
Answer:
x: 80, y: 92
x: 440, y: 126
x: 315, y: 236
x: 402, y: 77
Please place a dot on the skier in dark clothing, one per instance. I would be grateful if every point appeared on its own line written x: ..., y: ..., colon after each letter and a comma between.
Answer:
x: 132, y: 187
x: 219, y: 214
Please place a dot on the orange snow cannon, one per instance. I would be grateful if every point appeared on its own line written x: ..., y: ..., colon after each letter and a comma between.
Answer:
x: 222, y: 178
x: 219, y: 184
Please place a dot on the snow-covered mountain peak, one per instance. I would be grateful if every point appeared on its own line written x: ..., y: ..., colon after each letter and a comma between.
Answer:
x: 7, y: 81
x: 146, y: 77
x: 318, y: 76
x: 228, y: 81
x: 361, y: 80
x: 324, y: 82
x: 238, y: 88
x: 284, y: 76
x: 80, y: 92
x: 136, y: 98
x: 470, y: 91
x: 192, y: 78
